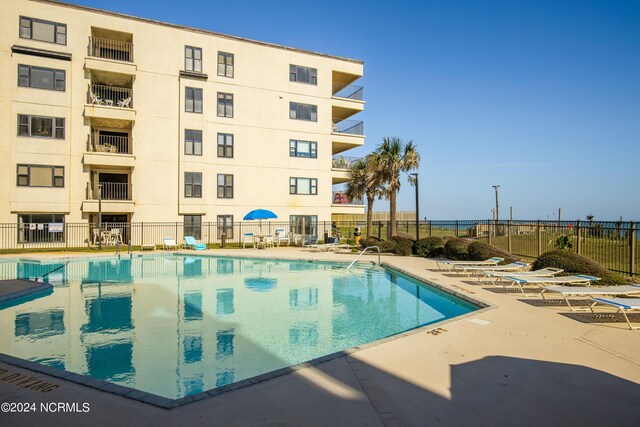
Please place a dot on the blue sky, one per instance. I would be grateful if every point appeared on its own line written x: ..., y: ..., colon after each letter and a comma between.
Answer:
x: 540, y: 97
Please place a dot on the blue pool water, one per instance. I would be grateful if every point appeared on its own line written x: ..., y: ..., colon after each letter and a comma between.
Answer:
x: 179, y: 325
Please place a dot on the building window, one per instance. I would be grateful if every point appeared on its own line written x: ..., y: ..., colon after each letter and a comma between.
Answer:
x: 301, y: 74
x: 193, y: 227
x: 225, y: 104
x: 40, y: 126
x: 193, y: 59
x: 225, y: 186
x: 225, y: 64
x: 193, y: 142
x: 225, y: 225
x: 35, y: 228
x: 303, y: 186
x: 304, y: 224
x: 225, y: 145
x: 44, y: 31
x: 192, y: 184
x: 193, y: 100
x: 40, y: 176
x: 299, y: 111
x: 41, y: 78
x: 307, y: 149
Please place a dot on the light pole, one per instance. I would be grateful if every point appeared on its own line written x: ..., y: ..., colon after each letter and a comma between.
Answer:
x: 414, y: 176
x: 496, y: 187
x: 99, y: 216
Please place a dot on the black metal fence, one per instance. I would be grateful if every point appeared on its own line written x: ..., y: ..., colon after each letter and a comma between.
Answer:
x: 612, y: 244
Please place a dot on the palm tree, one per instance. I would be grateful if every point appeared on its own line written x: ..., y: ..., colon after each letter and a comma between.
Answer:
x: 395, y: 156
x: 364, y: 181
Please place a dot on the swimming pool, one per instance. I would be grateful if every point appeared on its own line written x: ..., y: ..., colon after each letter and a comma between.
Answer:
x: 178, y: 325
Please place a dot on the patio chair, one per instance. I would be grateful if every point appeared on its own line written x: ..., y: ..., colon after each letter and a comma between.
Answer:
x: 169, y: 242
x: 124, y: 103
x: 268, y: 241
x: 190, y: 242
x: 487, y: 262
x: 95, y: 99
x: 590, y: 291
x: 97, y: 237
x: 543, y: 272
x: 115, y: 236
x: 248, y: 238
x: 282, y: 236
x: 540, y: 282
x: 482, y: 270
x: 622, y: 304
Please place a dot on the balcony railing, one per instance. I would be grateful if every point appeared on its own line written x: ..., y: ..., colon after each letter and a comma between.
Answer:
x: 350, y: 127
x: 98, y: 143
x: 110, y: 191
x: 341, y: 90
x: 110, y: 49
x: 343, y: 162
x: 340, y: 198
x: 110, y: 96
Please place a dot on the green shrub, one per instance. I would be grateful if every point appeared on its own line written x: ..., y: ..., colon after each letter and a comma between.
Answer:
x: 425, y: 247
x: 404, y: 247
x: 370, y: 241
x: 479, y: 251
x: 573, y: 263
x: 388, y: 246
x: 456, y: 248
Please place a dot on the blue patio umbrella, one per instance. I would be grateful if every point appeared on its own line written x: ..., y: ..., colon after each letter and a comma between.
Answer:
x: 259, y: 214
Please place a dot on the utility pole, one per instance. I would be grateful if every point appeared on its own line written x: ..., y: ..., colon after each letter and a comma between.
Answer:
x: 496, y: 187
x: 415, y: 181
x: 511, y: 213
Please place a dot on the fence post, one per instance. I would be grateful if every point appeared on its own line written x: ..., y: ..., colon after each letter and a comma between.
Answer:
x: 578, y: 239
x: 457, y: 228
x: 489, y: 229
x: 539, y: 239
x: 430, y: 230
x: 208, y: 233
x: 509, y: 236
x: 379, y: 229
x: 142, y: 233
x: 633, y: 249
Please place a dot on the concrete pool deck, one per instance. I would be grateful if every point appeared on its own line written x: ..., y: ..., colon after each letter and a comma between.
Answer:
x: 519, y: 362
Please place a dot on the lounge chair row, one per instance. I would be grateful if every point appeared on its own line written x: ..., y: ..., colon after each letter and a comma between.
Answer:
x: 189, y: 242
x: 547, y: 281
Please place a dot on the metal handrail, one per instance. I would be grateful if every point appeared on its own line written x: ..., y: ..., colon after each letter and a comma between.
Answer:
x: 363, y: 251
x: 110, y: 191
x: 99, y: 143
x: 341, y: 90
x: 111, y: 96
x: 351, y: 127
x: 110, y: 49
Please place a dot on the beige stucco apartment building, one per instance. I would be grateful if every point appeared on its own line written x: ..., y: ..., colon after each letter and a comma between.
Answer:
x: 165, y: 123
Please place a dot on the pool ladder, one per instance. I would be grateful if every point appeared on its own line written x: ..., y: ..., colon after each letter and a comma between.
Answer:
x: 362, y: 253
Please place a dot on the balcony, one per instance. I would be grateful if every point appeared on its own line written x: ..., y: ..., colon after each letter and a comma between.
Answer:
x: 352, y: 92
x: 340, y: 198
x: 348, y: 127
x: 110, y: 102
x: 110, y: 191
x: 343, y: 162
x: 109, y: 151
x: 114, y: 50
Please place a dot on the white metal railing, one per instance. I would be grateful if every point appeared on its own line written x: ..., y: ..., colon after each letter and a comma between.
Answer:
x: 110, y: 49
x: 110, y: 191
x: 111, y: 96
x: 362, y: 253
x: 99, y: 143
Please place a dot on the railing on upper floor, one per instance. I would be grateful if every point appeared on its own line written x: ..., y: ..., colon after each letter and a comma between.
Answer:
x: 341, y: 90
x: 350, y: 127
x: 98, y: 143
x: 110, y: 96
x: 343, y: 162
x: 110, y: 191
x: 110, y: 49
x: 340, y: 198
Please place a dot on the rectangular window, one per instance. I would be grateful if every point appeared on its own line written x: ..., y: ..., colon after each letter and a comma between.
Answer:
x: 225, y: 145
x: 225, y: 104
x: 40, y: 176
x: 193, y: 59
x: 225, y: 186
x: 225, y: 225
x: 193, y: 100
x: 304, y: 224
x: 225, y: 64
x: 193, y: 226
x: 41, y: 78
x: 307, y: 149
x: 300, y: 74
x: 193, y: 142
x: 193, y: 184
x: 44, y: 31
x: 306, y: 112
x: 303, y: 186
x: 45, y: 228
x: 40, y: 126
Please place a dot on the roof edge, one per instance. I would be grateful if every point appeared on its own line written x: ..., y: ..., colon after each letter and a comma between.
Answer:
x: 193, y: 29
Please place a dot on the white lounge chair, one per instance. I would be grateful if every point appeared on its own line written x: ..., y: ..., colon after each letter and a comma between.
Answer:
x: 543, y: 272
x: 590, y: 291
x: 483, y: 270
x: 320, y: 247
x: 248, y: 238
x: 487, y: 262
x: 124, y: 103
x: 282, y: 236
x: 342, y: 247
x: 622, y: 304
x: 170, y: 242
x: 540, y: 282
x: 95, y: 99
